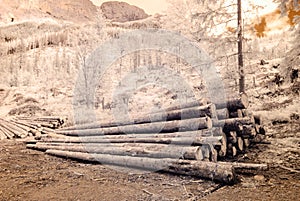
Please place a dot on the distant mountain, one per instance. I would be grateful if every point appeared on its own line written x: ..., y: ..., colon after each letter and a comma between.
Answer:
x: 122, y: 11
x: 71, y: 10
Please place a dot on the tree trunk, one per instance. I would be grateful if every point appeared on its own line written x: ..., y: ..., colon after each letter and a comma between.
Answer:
x: 192, y: 140
x: 136, y: 150
x: 214, y: 171
x: 156, y: 127
x: 232, y: 124
x: 185, y: 113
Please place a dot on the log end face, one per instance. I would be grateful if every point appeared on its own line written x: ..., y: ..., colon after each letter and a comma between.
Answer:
x: 244, y: 100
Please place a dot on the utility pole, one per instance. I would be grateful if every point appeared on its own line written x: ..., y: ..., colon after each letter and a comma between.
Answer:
x: 240, y: 49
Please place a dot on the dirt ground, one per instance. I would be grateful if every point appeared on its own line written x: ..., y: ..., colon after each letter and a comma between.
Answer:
x: 32, y: 175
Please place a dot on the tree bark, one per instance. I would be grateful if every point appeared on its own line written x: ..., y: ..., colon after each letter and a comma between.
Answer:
x: 214, y: 171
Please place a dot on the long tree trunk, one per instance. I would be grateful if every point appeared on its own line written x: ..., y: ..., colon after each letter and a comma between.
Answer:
x: 214, y: 171
x: 217, y: 141
x: 136, y: 150
x: 156, y: 127
x: 185, y: 113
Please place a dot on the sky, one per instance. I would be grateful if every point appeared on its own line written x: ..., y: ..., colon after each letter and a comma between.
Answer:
x: 150, y: 6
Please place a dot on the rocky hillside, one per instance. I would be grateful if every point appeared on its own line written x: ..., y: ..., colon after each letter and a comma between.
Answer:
x: 122, y: 12
x: 70, y: 10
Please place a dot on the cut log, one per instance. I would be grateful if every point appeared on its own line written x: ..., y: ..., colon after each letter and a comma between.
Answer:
x: 208, y: 134
x: 234, y: 104
x: 231, y: 150
x: 236, y: 114
x: 136, y: 150
x: 156, y: 127
x: 209, y: 170
x: 187, y: 113
x: 233, y: 124
x: 240, y: 144
x: 222, y: 113
x: 216, y: 141
x: 196, y: 103
x: 222, y: 150
x: 247, y: 166
x: 247, y: 131
x: 232, y: 137
x: 15, y: 131
x: 8, y: 133
x: 2, y: 135
x: 246, y: 142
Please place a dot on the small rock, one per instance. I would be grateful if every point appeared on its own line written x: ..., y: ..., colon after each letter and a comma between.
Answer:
x: 259, y: 178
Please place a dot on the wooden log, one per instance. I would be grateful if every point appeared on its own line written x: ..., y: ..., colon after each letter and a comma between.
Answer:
x: 8, y: 133
x: 217, y: 141
x: 232, y: 124
x: 156, y: 127
x: 222, y: 150
x: 2, y: 135
x: 25, y: 124
x: 247, y: 131
x: 234, y: 104
x: 136, y: 150
x: 236, y: 114
x: 232, y: 137
x: 246, y: 142
x: 25, y: 128
x: 207, y: 134
x: 197, y: 103
x: 231, y: 150
x: 247, y: 166
x: 16, y: 132
x: 209, y: 170
x: 222, y: 113
x: 240, y: 144
x: 187, y: 113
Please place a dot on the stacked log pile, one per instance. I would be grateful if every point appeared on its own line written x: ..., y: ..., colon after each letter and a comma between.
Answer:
x: 22, y: 127
x: 188, y: 141
x: 239, y: 125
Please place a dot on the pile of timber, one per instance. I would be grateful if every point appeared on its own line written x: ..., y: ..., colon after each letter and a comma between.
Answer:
x: 241, y: 127
x: 23, y: 127
x: 188, y: 139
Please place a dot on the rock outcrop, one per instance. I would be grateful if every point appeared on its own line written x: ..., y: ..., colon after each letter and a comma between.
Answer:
x: 122, y: 12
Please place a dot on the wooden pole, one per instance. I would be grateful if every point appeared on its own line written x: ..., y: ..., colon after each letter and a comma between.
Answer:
x: 214, y: 171
x: 185, y: 113
x: 217, y: 141
x: 156, y: 127
x: 128, y: 149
